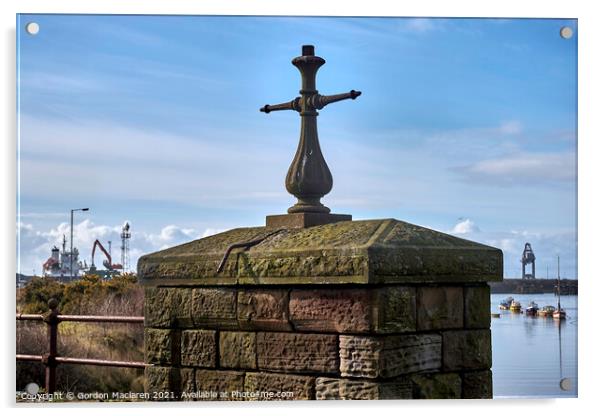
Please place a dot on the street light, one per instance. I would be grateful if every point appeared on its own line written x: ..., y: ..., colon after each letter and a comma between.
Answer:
x: 71, y: 252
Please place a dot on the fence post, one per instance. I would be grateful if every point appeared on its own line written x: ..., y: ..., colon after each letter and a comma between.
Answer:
x: 51, y: 319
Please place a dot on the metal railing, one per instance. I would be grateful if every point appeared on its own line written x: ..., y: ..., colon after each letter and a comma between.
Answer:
x: 52, y: 359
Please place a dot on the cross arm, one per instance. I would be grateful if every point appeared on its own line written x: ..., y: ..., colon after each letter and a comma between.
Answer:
x: 321, y: 101
x: 291, y: 105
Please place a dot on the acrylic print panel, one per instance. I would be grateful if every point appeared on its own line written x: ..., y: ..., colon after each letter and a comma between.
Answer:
x: 137, y: 134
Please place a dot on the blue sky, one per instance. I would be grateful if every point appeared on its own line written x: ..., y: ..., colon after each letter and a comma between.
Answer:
x: 467, y: 126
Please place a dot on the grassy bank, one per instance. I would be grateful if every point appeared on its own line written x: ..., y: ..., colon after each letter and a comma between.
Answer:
x: 88, y: 296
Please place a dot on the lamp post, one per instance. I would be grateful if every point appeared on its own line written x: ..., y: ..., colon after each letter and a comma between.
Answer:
x: 71, y: 240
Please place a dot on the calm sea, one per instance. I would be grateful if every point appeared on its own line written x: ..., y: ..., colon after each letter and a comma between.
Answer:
x: 531, y: 355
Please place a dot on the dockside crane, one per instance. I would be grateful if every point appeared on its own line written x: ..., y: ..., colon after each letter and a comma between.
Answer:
x: 108, y: 262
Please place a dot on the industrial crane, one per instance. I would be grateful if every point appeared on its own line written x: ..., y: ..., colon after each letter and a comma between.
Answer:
x: 107, y: 263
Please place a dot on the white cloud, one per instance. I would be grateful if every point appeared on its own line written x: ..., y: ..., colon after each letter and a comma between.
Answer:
x: 465, y: 226
x: 34, y: 245
x: 419, y: 25
x: 546, y: 245
x: 511, y: 127
x: 524, y: 168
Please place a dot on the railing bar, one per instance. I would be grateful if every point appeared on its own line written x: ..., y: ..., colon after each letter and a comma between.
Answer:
x: 107, y: 363
x: 100, y: 318
x: 25, y: 357
x: 29, y: 317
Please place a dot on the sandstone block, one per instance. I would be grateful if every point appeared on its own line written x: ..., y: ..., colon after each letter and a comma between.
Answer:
x: 383, y: 310
x: 159, y: 347
x: 331, y: 310
x: 345, y: 389
x: 271, y: 386
x: 389, y: 356
x: 396, y: 306
x: 477, y: 385
x: 219, y: 385
x: 187, y: 384
x: 214, y: 307
x: 163, y: 381
x: 467, y: 350
x: 237, y: 350
x: 263, y: 309
x: 440, y: 307
x: 167, y: 307
x: 436, y: 386
x: 295, y: 352
x: 198, y: 348
x: 477, y: 307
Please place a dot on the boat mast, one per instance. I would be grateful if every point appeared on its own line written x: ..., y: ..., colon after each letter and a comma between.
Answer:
x: 558, y: 286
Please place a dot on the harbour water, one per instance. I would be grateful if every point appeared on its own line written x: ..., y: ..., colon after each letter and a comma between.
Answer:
x: 531, y: 355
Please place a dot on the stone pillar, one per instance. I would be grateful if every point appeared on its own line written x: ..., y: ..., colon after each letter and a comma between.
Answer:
x: 377, y: 309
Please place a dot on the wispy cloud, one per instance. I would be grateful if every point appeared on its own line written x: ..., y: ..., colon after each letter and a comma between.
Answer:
x: 521, y: 169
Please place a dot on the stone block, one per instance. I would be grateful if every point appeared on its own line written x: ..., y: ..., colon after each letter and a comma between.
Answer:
x: 396, y: 309
x: 214, y: 307
x: 345, y: 389
x: 477, y: 385
x: 187, y: 384
x: 467, y: 350
x: 198, y: 348
x: 167, y: 307
x: 162, y: 383
x: 271, y: 386
x: 477, y: 307
x: 297, y: 352
x: 331, y: 310
x: 436, y: 386
x: 159, y: 346
x: 219, y: 385
x: 237, y: 350
x: 263, y: 309
x: 440, y: 307
x: 389, y: 356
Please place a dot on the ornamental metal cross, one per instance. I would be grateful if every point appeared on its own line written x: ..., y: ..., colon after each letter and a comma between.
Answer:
x: 308, y: 177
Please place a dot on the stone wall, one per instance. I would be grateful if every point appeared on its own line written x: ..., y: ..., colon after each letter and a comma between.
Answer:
x: 320, y: 342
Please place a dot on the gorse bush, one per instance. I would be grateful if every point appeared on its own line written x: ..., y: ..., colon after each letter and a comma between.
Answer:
x: 90, y: 295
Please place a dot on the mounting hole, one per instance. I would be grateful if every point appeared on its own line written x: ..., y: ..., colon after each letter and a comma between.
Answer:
x: 565, y: 384
x: 566, y: 32
x: 32, y: 28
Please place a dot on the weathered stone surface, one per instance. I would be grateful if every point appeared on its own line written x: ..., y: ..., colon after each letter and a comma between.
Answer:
x: 270, y: 386
x: 159, y: 347
x: 162, y: 381
x: 467, y: 350
x: 373, y: 251
x: 237, y: 350
x: 436, y: 386
x: 477, y: 385
x: 396, y: 309
x: 440, y: 307
x: 214, y: 307
x: 263, y: 309
x: 198, y: 348
x: 477, y: 307
x: 187, y: 384
x: 390, y: 309
x: 167, y: 307
x: 295, y: 352
x: 219, y: 385
x: 331, y: 310
x: 389, y: 356
x: 345, y: 389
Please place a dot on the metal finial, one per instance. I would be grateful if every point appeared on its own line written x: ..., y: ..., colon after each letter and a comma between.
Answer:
x: 308, y: 177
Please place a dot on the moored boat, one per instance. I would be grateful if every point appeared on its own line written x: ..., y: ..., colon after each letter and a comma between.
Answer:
x: 559, y: 313
x: 515, y: 306
x: 505, y: 304
x: 532, y: 309
x: 546, y: 311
